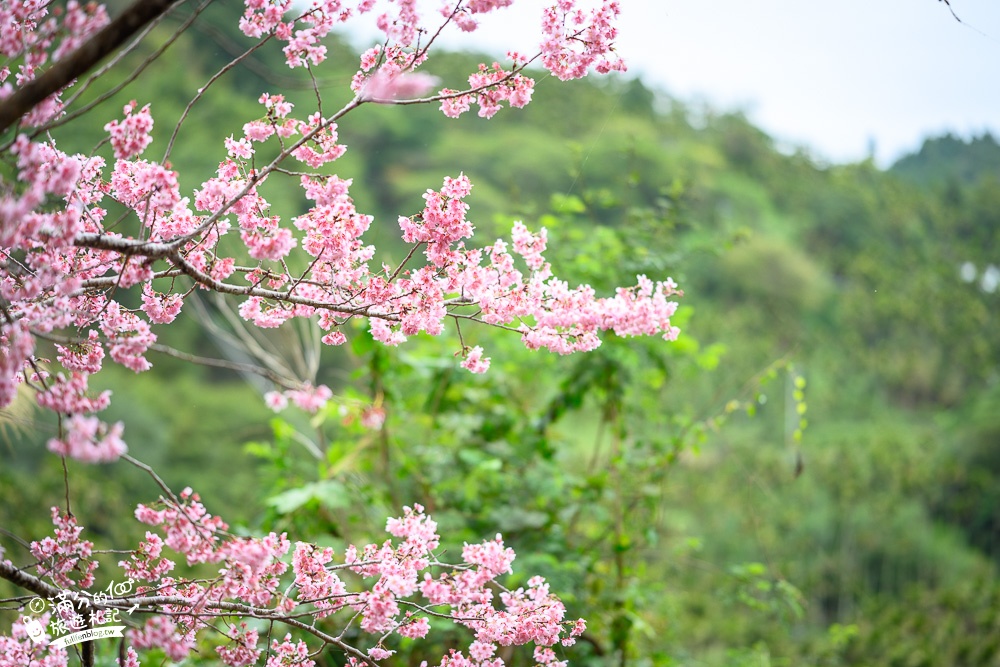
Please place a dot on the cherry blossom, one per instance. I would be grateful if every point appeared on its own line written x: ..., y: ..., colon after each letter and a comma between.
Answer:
x: 64, y: 553
x: 371, y: 585
x: 98, y: 287
x: 130, y: 137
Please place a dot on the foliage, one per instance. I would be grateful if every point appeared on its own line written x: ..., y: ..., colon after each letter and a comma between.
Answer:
x: 948, y: 160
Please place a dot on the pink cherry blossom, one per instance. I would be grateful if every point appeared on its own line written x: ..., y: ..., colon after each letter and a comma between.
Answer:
x: 131, y: 136
x: 65, y: 553
x: 89, y: 439
x: 310, y: 399
x: 132, y: 659
x: 575, y: 42
x: 242, y: 652
x: 475, y: 362
x: 164, y: 633
x: 387, y: 85
x: 288, y: 653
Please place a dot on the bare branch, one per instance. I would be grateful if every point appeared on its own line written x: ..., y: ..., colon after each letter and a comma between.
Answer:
x: 950, y: 9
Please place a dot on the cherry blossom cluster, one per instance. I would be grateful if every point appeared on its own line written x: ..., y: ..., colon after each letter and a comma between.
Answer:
x: 388, y: 74
x: 131, y: 136
x: 376, y: 586
x: 90, y: 288
x: 462, y: 13
x: 304, y: 35
x: 65, y: 552
x: 34, y: 35
x: 493, y: 85
x: 18, y: 649
x: 574, y: 41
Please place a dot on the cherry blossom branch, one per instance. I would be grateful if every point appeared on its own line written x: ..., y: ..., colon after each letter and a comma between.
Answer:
x: 89, y: 54
x: 157, y: 604
x: 258, y: 176
x: 66, y: 269
x: 130, y: 248
x: 422, y: 52
x: 514, y: 72
x: 119, y: 56
x: 255, y: 66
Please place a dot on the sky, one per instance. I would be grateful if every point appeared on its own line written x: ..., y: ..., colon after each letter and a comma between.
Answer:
x: 838, y: 78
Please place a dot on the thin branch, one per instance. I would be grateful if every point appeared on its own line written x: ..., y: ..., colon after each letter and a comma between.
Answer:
x: 223, y: 40
x: 228, y: 365
x: 462, y: 93
x: 950, y: 9
x: 201, y: 92
x: 178, y: 503
x: 405, y: 260
x: 156, y: 478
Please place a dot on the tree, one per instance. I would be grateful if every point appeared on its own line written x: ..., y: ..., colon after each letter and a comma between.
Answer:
x: 100, y: 248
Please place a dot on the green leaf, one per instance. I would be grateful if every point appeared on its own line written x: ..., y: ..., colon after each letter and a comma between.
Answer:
x: 329, y: 493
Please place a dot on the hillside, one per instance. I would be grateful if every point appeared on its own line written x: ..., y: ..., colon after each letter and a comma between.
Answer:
x: 949, y: 159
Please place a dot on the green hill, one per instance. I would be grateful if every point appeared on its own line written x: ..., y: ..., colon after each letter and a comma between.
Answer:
x: 947, y: 159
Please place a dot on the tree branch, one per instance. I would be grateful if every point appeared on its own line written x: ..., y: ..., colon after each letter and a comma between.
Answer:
x: 80, y: 61
x: 27, y: 581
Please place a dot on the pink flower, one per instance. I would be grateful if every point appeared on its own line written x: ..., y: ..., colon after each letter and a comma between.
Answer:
x: 131, y: 659
x: 481, y: 650
x: 287, y: 653
x: 475, y: 362
x: 85, y: 357
x: 573, y: 44
x: 384, y: 85
x: 90, y: 440
x: 310, y: 399
x: 379, y: 653
x: 276, y: 400
x: 130, y: 137
x: 335, y: 338
x: 69, y: 395
x: 239, y: 148
x: 373, y: 418
x: 453, y: 107
x: 415, y: 628
x: 161, y: 309
x: 163, y: 633
x: 66, y: 553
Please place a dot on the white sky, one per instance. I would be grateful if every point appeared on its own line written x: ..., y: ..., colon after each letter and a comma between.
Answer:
x: 831, y: 76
